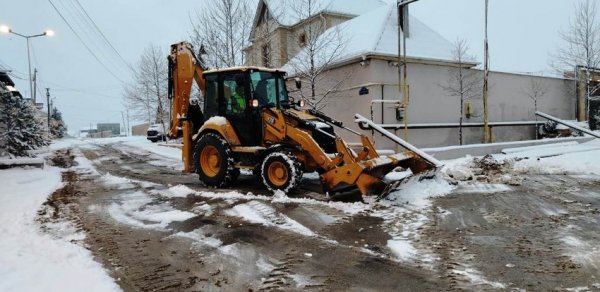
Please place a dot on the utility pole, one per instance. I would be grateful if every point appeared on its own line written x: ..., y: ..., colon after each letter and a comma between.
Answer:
x: 123, y: 119
x: 48, y: 104
x: 34, y: 84
x: 403, y: 32
x: 486, y: 72
x: 128, y: 125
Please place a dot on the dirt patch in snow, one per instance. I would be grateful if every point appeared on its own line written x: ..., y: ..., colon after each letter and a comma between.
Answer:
x: 63, y: 159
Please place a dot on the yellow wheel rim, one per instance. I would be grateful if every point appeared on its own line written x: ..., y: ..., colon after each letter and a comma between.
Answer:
x: 278, y: 173
x: 210, y: 161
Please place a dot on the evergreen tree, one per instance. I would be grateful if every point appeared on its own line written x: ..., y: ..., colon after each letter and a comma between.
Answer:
x: 57, y: 125
x: 20, y: 127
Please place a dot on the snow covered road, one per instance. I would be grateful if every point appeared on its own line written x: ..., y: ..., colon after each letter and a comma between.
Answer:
x: 483, y: 224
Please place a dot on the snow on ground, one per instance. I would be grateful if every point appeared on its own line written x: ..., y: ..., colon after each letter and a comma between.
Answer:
x: 138, y: 145
x: 403, y: 215
x: 260, y: 213
x: 586, y: 162
x: 199, y: 237
x: 34, y: 261
x: 586, y: 253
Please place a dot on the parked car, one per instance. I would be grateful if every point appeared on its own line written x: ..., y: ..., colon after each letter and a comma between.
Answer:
x: 156, y: 132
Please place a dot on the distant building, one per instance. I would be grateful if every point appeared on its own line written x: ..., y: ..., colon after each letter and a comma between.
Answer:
x: 113, y: 128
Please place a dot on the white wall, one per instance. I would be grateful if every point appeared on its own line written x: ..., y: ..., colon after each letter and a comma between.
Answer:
x: 429, y: 103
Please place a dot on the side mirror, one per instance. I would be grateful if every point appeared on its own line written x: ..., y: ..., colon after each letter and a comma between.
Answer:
x: 298, y: 83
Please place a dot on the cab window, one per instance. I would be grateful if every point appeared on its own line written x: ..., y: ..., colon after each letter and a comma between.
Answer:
x: 234, y: 94
x: 268, y: 88
x: 211, y: 105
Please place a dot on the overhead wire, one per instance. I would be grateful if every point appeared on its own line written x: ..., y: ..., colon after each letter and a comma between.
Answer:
x: 103, y: 35
x: 84, y: 44
x: 80, y: 22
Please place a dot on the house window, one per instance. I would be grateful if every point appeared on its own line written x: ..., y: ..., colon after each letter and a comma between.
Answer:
x: 266, y: 55
x: 302, y: 40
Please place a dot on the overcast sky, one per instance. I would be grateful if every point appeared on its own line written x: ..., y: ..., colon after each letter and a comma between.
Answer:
x: 522, y: 35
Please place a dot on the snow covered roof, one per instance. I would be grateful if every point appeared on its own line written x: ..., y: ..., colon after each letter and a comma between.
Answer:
x: 376, y: 33
x: 283, y: 10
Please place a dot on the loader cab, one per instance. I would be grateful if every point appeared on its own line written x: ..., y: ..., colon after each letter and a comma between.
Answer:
x: 240, y: 94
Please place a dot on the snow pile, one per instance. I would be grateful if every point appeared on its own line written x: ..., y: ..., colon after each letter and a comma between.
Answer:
x: 179, y: 191
x: 458, y: 169
x: 259, y: 213
x: 416, y: 194
x: 31, y: 260
x: 137, y: 209
x: 402, y: 249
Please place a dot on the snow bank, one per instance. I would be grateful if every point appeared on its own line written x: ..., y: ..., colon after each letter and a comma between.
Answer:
x: 587, y: 162
x: 31, y: 260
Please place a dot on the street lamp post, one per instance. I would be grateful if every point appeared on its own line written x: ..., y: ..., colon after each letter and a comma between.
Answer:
x: 6, y: 29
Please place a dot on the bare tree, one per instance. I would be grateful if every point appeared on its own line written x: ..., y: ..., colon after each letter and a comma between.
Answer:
x: 222, y: 28
x: 146, y: 96
x: 536, y: 89
x: 582, y: 48
x: 320, y: 48
x: 463, y: 82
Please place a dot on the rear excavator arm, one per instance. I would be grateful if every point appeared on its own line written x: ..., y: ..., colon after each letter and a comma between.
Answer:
x: 184, y: 68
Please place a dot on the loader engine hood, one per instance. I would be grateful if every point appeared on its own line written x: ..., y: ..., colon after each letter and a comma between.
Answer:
x: 322, y: 132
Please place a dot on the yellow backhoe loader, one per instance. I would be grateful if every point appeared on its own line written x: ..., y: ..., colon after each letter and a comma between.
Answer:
x: 248, y: 121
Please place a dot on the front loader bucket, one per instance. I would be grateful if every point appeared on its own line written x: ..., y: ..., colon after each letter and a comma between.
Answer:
x: 367, y: 172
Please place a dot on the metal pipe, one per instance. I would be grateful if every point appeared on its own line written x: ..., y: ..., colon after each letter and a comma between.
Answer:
x: 394, y: 138
x: 568, y: 124
x: 382, y: 107
x: 456, y: 125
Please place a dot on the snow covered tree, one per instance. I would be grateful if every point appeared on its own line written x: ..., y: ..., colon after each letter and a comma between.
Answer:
x: 21, y: 129
x: 463, y: 82
x: 57, y: 125
x: 222, y: 28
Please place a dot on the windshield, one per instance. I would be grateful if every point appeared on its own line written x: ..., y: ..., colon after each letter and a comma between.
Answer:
x: 269, y: 89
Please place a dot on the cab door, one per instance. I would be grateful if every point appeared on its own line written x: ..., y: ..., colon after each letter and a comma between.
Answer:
x: 236, y: 106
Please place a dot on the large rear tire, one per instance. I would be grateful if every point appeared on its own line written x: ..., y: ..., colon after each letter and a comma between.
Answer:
x: 214, y: 161
x: 280, y: 171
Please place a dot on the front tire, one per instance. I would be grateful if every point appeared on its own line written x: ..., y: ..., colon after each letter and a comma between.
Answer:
x: 214, y: 161
x: 280, y: 171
